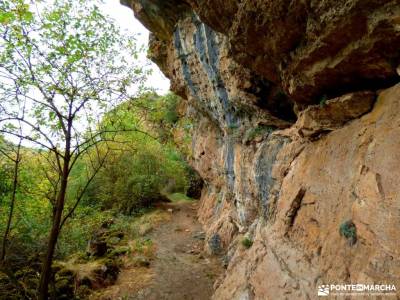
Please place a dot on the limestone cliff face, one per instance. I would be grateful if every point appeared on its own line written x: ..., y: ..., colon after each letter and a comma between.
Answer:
x: 295, y: 138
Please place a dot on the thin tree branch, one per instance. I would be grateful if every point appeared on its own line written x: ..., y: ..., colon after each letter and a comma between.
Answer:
x: 82, y: 192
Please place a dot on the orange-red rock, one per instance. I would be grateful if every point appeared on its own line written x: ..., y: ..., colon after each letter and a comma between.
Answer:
x: 286, y: 174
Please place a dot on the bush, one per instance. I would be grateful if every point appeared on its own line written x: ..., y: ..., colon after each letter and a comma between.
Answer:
x: 135, y: 179
x: 348, y: 230
x: 145, y: 167
x: 247, y: 242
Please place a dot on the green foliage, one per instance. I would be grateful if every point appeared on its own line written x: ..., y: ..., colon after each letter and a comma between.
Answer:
x: 145, y: 164
x: 232, y: 126
x: 6, y: 170
x: 134, y: 179
x: 5, y: 185
x: 66, y: 54
x: 65, y: 74
x: 247, y: 242
x: 141, y: 245
x: 76, y: 233
x: 29, y: 226
x: 159, y: 113
x: 62, y: 60
x: 348, y: 230
x: 323, y: 100
x: 170, y: 114
x: 140, y: 169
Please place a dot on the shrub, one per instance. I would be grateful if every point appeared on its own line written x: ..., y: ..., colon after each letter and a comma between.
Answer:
x: 143, y: 167
x: 247, y: 242
x: 135, y: 179
x: 348, y: 230
x: 323, y: 100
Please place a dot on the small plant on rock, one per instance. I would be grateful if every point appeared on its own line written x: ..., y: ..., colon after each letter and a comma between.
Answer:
x: 247, y: 242
x: 348, y: 230
x: 323, y: 100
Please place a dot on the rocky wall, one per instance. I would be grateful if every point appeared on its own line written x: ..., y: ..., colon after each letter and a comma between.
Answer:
x: 295, y: 138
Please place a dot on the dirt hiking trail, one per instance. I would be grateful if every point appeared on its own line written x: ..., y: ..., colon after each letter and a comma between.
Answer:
x: 179, y: 269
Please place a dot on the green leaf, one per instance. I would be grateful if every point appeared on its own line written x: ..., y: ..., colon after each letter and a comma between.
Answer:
x: 6, y: 17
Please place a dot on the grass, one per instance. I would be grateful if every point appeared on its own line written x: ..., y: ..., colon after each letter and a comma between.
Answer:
x: 83, y: 270
x: 140, y: 224
x: 179, y: 197
x: 143, y: 246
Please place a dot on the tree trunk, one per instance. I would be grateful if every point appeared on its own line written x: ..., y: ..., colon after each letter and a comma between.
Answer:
x: 12, y: 204
x: 55, y: 230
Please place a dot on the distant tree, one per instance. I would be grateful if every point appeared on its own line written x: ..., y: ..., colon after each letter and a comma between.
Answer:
x: 11, y: 155
x: 14, y: 155
x: 4, y: 171
x: 69, y: 64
